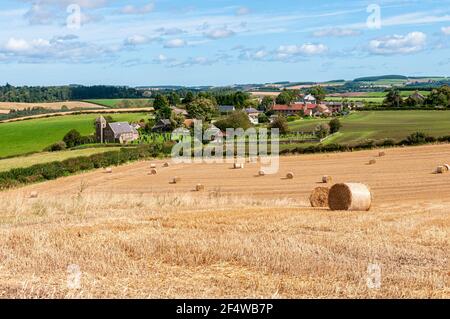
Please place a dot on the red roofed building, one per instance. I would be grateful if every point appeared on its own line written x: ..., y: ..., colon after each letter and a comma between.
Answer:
x: 296, y: 109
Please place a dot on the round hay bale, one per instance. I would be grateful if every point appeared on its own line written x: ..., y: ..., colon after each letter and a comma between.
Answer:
x: 350, y: 196
x: 154, y: 171
x: 34, y: 194
x: 261, y: 173
x: 108, y: 170
x: 372, y: 162
x: 447, y: 166
x: 290, y: 175
x: 152, y: 165
x: 441, y: 170
x: 199, y: 187
x: 381, y: 154
x: 327, y: 179
x: 176, y: 179
x: 319, y: 197
x: 238, y: 165
x: 166, y: 164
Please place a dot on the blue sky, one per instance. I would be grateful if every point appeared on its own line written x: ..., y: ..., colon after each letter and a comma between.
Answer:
x: 219, y: 42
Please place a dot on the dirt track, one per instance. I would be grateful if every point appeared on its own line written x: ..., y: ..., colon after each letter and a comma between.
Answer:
x: 403, y: 177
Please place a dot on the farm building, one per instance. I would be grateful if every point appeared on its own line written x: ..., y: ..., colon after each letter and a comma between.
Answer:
x: 163, y: 125
x: 252, y: 115
x: 118, y: 132
x: 225, y: 109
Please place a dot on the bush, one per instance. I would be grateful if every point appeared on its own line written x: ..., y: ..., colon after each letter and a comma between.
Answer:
x: 58, y: 146
x: 335, y: 126
x: 72, y: 138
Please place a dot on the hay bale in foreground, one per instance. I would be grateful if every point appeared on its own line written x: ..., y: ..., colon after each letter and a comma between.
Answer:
x: 261, y: 173
x: 327, y: 179
x: 108, y: 170
x: 166, y: 164
x: 290, y: 175
x: 199, y: 187
x: 381, y: 154
x: 350, y: 196
x: 152, y: 165
x: 372, y: 162
x: 441, y: 169
x: 238, y: 165
x: 319, y: 197
x: 34, y: 194
x: 447, y: 166
x: 154, y: 171
x: 176, y: 179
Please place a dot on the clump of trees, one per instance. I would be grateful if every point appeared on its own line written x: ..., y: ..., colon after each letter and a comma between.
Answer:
x: 202, y: 109
x: 439, y: 97
x: 280, y: 123
x: 237, y: 119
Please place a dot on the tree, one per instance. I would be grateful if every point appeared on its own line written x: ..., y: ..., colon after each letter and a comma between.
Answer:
x: 202, y: 109
x: 263, y: 118
x: 335, y: 125
x: 439, y: 97
x: 281, y: 124
x: 189, y: 98
x: 72, y: 138
x: 174, y: 98
x: 163, y: 113
x: 286, y: 97
x: 160, y: 102
x: 237, y: 119
x: 176, y: 120
x: 322, y: 130
x: 318, y: 92
x: 393, y: 99
x: 267, y: 103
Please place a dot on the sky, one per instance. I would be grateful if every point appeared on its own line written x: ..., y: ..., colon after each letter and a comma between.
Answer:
x: 219, y: 42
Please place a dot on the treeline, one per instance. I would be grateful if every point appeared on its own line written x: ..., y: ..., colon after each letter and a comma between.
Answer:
x: 49, y: 171
x: 39, y: 94
x: 439, y: 97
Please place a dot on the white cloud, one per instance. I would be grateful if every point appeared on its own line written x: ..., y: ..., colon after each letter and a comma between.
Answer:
x: 20, y: 45
x: 175, y: 43
x: 131, y: 9
x: 445, y: 30
x: 169, y: 31
x: 307, y: 49
x: 336, y: 32
x: 398, y: 44
x: 242, y: 11
x: 137, y: 39
x: 219, y: 33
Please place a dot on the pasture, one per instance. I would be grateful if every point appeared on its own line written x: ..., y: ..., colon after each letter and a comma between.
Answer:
x: 243, y: 236
x: 121, y: 103
x: 34, y: 135
x: 375, y: 125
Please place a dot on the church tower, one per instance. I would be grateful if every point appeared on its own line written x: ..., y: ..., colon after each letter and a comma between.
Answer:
x: 100, y: 125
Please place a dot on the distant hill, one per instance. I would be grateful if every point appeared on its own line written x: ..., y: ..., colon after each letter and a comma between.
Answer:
x: 381, y: 77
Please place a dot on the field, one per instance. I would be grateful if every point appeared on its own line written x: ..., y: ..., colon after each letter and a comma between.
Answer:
x: 39, y: 158
x: 382, y: 124
x: 120, y: 103
x: 130, y: 234
x: 375, y: 97
x: 53, y: 106
x: 34, y: 135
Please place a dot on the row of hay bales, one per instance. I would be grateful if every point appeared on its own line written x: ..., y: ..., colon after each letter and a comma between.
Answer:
x: 343, y: 196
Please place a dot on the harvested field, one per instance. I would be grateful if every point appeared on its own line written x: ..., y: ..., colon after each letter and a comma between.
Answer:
x: 136, y: 235
x: 50, y: 105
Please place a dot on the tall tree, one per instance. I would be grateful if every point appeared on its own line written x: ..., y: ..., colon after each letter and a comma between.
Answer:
x: 202, y: 109
x: 318, y: 92
x: 393, y: 99
x: 160, y: 102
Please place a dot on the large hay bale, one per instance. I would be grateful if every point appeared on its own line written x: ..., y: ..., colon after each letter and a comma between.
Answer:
x: 319, y: 197
x: 152, y: 165
x: 372, y: 162
x: 350, y: 196
x: 290, y: 175
x: 166, y: 164
x: 34, y: 194
x: 238, y: 165
x: 381, y: 154
x: 327, y: 179
x: 154, y: 171
x: 199, y: 187
x: 441, y: 170
x: 176, y: 179
x: 108, y: 170
x: 261, y: 173
x: 447, y: 166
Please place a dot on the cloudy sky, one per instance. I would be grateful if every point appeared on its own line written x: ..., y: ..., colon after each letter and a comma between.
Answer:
x: 219, y: 42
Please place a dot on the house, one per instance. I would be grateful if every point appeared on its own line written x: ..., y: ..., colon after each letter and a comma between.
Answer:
x: 118, y: 132
x: 225, y: 109
x: 179, y: 111
x: 253, y: 115
x: 322, y: 110
x: 417, y: 96
x: 309, y: 99
x: 284, y: 109
x: 163, y: 125
x: 335, y: 107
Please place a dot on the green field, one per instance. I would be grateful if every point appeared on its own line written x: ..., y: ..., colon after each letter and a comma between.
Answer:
x: 121, y: 103
x: 382, y: 124
x: 28, y: 136
x: 376, y: 97
x: 40, y: 158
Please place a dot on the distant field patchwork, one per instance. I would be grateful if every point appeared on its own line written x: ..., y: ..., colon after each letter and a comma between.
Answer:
x: 122, y: 103
x: 34, y: 135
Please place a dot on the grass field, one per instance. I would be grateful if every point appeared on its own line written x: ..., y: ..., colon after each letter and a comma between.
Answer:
x: 120, y: 103
x: 382, y: 124
x: 40, y: 158
x: 34, y: 135
x: 134, y: 235
x: 375, y: 97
